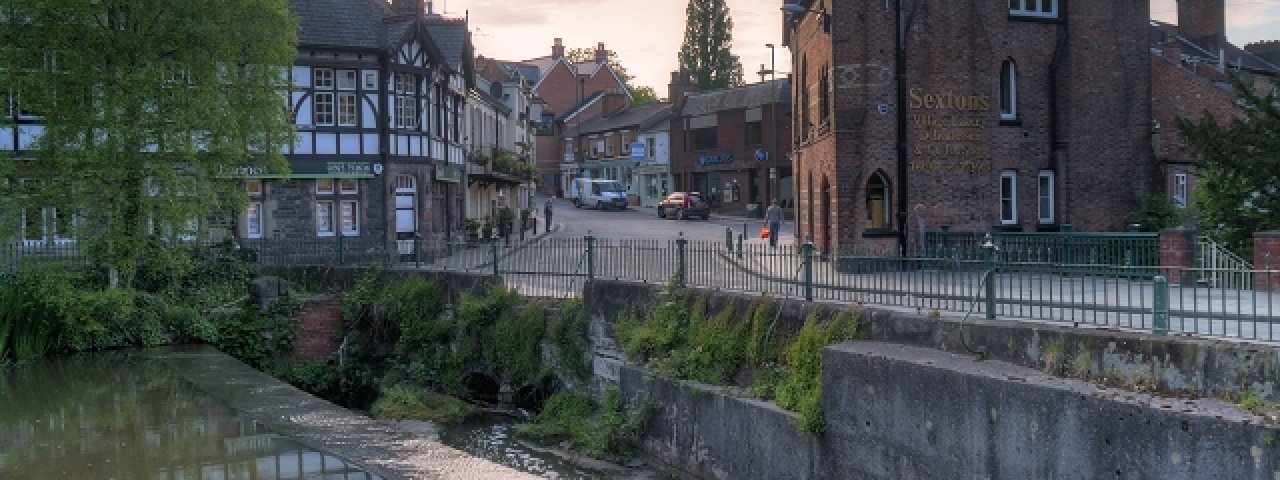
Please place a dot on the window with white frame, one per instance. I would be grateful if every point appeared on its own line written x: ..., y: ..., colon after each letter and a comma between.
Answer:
x: 347, y: 109
x: 406, y: 102
x: 324, y: 218
x: 254, y: 222
x: 324, y: 186
x: 406, y: 206
x: 608, y: 145
x: 1034, y: 8
x: 322, y: 112
x: 346, y: 79
x: 1008, y: 198
x: 1008, y: 90
x: 322, y: 78
x: 349, y: 217
x: 1180, y: 188
x: 1044, y: 189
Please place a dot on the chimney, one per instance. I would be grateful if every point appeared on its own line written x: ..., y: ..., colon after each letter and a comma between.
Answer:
x: 1172, y: 50
x: 602, y: 55
x: 679, y: 86
x: 1267, y: 50
x: 1204, y: 22
x: 557, y: 49
x: 407, y: 6
x: 615, y: 99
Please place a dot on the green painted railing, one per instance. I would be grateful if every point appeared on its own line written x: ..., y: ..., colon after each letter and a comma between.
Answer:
x: 1130, y: 254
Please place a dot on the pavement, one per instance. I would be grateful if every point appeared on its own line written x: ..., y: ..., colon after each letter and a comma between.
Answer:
x: 740, y: 223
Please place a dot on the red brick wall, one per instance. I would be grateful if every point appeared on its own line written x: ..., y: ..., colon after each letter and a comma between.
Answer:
x: 1180, y: 92
x: 1096, y: 141
x: 1177, y: 254
x: 1264, y: 244
x: 319, y: 322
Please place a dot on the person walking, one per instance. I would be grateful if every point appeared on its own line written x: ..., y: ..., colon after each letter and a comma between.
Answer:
x: 546, y: 215
x: 773, y: 216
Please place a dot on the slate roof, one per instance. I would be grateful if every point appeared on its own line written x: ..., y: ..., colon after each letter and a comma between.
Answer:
x: 576, y: 109
x: 1236, y: 57
x: 636, y: 117
x: 451, y: 36
x: 341, y: 23
x: 747, y: 96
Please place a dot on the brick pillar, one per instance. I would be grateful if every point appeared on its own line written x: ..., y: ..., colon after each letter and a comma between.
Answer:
x: 319, y: 321
x: 1265, y: 243
x: 1178, y: 255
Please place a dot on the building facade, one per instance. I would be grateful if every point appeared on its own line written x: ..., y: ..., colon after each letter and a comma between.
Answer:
x: 379, y: 152
x: 731, y: 144
x: 621, y: 145
x: 1022, y: 116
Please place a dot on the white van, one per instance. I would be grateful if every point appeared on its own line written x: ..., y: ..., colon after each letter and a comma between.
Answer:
x: 597, y: 193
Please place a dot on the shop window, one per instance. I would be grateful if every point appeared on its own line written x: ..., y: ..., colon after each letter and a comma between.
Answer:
x: 1033, y: 8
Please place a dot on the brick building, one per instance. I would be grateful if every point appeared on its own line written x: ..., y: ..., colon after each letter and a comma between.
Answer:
x: 564, y: 89
x: 724, y: 143
x: 1189, y: 69
x: 1023, y: 116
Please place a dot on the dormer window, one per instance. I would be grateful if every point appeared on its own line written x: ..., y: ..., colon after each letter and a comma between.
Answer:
x: 1033, y: 8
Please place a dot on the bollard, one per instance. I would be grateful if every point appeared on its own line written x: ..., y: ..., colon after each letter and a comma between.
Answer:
x: 591, y: 256
x: 342, y: 254
x: 680, y: 268
x: 989, y: 278
x: 493, y: 253
x: 417, y: 247
x: 1160, y: 319
x: 807, y: 255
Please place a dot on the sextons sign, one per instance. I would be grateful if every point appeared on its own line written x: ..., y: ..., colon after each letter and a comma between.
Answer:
x: 949, y: 133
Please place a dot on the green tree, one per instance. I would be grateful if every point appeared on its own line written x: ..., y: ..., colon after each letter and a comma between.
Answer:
x: 146, y: 106
x: 705, y: 54
x: 639, y: 95
x: 1239, y: 189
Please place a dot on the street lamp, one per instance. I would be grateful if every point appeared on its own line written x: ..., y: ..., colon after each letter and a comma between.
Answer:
x: 773, y: 121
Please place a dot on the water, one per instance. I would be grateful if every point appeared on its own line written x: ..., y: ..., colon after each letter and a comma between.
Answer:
x: 491, y: 437
x: 116, y: 415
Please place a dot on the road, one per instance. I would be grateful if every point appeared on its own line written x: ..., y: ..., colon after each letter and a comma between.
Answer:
x: 643, y: 223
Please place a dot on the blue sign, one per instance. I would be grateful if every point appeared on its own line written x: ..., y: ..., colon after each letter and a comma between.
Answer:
x: 883, y: 109
x: 761, y: 155
x: 705, y: 160
x: 637, y: 151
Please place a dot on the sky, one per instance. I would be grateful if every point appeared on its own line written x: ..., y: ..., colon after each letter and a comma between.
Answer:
x: 646, y: 34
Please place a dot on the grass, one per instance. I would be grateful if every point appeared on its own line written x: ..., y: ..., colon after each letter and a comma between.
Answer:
x: 416, y: 403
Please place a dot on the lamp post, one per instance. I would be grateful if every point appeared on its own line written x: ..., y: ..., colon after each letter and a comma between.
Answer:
x: 773, y: 125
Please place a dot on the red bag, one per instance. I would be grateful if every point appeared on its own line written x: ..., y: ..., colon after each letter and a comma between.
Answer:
x: 764, y: 232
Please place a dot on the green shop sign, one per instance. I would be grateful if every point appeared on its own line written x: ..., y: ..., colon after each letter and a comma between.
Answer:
x: 309, y: 169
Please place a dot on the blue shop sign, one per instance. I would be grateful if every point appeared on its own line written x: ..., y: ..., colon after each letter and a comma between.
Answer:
x: 637, y: 151
x: 705, y: 160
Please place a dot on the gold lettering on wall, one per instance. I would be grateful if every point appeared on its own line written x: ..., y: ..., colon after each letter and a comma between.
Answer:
x: 949, y: 132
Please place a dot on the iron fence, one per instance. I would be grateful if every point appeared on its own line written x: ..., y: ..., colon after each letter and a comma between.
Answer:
x: 1045, y: 288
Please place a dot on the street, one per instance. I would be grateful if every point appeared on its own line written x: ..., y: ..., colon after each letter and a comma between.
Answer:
x: 643, y: 223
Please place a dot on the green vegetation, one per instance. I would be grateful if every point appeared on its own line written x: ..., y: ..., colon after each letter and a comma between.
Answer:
x: 610, y: 432
x: 1053, y: 356
x: 168, y: 121
x: 53, y: 309
x: 568, y: 332
x: 1236, y: 192
x: 677, y: 338
x: 1082, y: 365
x: 706, y: 55
x: 415, y: 403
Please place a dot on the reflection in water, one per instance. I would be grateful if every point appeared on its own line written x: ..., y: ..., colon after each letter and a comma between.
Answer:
x: 115, y: 415
x: 492, y: 437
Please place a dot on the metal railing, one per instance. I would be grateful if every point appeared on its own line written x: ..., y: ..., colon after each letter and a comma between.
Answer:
x: 1022, y: 286
x: 1221, y: 267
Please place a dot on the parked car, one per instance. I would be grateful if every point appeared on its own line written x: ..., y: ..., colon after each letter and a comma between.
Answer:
x: 682, y: 205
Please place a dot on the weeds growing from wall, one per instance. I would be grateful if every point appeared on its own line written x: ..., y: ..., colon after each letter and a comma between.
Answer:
x: 568, y: 332
x: 679, y: 339
x: 609, y: 431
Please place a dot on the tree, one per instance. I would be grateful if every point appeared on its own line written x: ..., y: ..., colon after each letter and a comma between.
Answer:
x: 639, y: 95
x: 1239, y: 190
x: 146, y: 107
x: 705, y: 54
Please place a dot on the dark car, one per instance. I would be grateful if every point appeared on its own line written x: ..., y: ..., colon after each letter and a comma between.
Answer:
x: 682, y: 205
